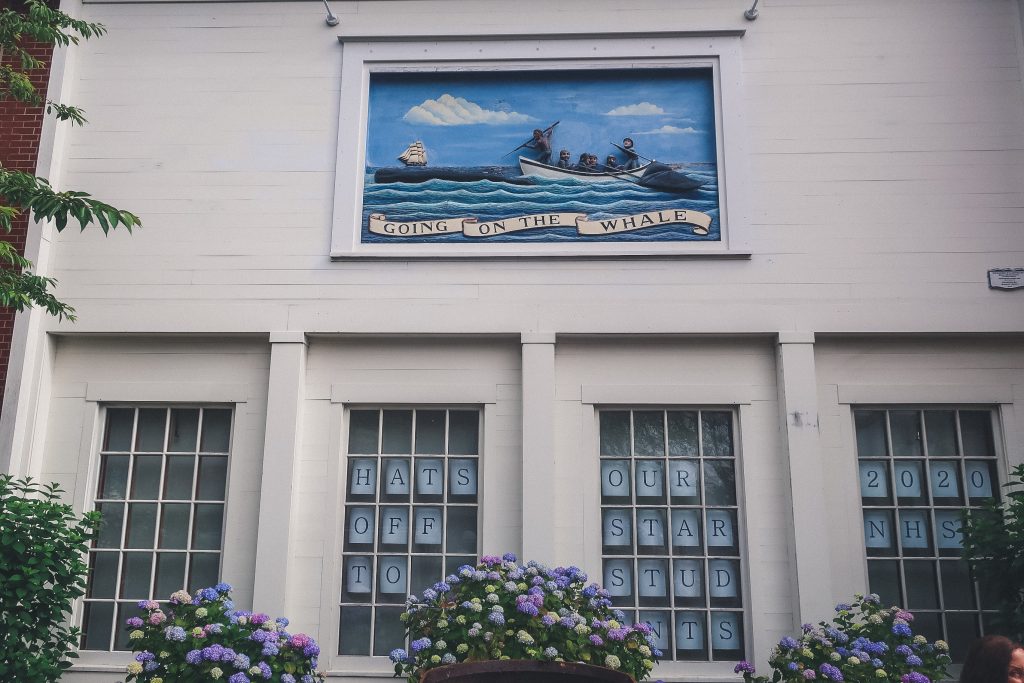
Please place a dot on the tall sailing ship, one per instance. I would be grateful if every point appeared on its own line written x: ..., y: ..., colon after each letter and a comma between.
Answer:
x: 414, y: 155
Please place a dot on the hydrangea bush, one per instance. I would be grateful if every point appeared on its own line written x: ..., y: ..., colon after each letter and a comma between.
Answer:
x: 204, y: 638
x: 503, y: 610
x: 864, y: 642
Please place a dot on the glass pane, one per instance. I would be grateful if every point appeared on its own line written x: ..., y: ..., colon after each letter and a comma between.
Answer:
x: 615, y: 433
x: 362, y: 479
x: 684, y: 482
x: 430, y: 431
x: 204, y: 570
x: 393, y: 532
x: 170, y: 573
x: 688, y: 579
x: 111, y: 521
x: 690, y: 631
x: 184, y: 430
x: 426, y: 571
x: 922, y: 588
x: 453, y: 562
x: 651, y: 531
x: 125, y: 610
x: 941, y: 428
x: 719, y: 482
x: 911, y: 488
x: 616, y: 531
x: 724, y: 583
x: 357, y: 579
x: 388, y: 631
x: 905, y: 427
x: 980, y: 477
x: 916, y: 532
x: 957, y: 585
x: 874, y: 482
x: 945, y: 481
x: 879, y: 535
x: 884, y: 579
x: 97, y: 625
x: 870, y: 425
x: 207, y: 527
x: 928, y: 624
x: 461, y: 530
x: 717, y: 428
x: 976, y: 429
x: 119, y: 429
x: 178, y: 480
x: 726, y: 635
x: 113, y: 477
x: 213, y: 477
x: 141, y: 525
x: 397, y: 437
x: 362, y: 431
x: 146, y: 476
x: 396, y: 481
x: 174, y: 527
x: 359, y: 528
x: 216, y: 430
x: 150, y: 434
x: 429, y: 480
x: 618, y: 580
x: 615, y: 481
x: 962, y: 630
x: 428, y: 529
x: 661, y: 629
x: 102, y: 575
x: 355, y: 631
x: 682, y: 434
x: 720, y: 531
x: 392, y: 579
x: 462, y: 480
x: 463, y: 432
x: 135, y: 575
x: 650, y: 481
x: 649, y: 433
x: 652, y: 583
x: 686, y: 532
x: 948, y: 532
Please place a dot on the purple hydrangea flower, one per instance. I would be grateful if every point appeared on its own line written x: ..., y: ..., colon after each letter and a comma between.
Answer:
x: 175, y: 633
x: 134, y: 622
x: 151, y: 666
x: 914, y: 677
x: 904, y: 651
x: 241, y: 662
x: 509, y: 557
x: 144, y: 656
x: 596, y: 640
x: 265, y: 670
x: 831, y: 672
x: 788, y: 643
x: 744, y: 667
x: 420, y: 645
x: 902, y: 630
x: 809, y: 674
x: 914, y: 660
x: 496, y: 618
x: 194, y: 656
x: 287, y: 678
x: 239, y: 678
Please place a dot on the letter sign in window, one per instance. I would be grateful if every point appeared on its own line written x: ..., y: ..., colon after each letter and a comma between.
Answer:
x: 429, y: 477
x: 617, y: 531
x: 394, y: 526
x: 652, y: 579
x: 650, y: 481
x: 690, y: 631
x: 358, y: 575
x: 427, y: 526
x: 360, y: 526
x: 396, y: 477
x: 719, y: 528
x: 979, y: 479
x: 908, y: 479
x: 362, y: 480
x: 392, y: 575
x: 650, y: 529
x: 878, y: 529
x: 914, y: 529
x: 618, y: 577
x: 948, y: 529
x: 725, y: 631
x: 688, y: 576
x: 683, y: 482
x: 723, y: 579
x: 944, y: 479
x: 462, y: 473
x: 874, y: 483
x: 660, y: 627
x: 615, y: 480
x: 686, y: 528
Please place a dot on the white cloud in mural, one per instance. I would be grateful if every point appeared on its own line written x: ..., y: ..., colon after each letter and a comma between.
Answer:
x: 447, y: 110
x: 638, y: 109
x: 671, y: 130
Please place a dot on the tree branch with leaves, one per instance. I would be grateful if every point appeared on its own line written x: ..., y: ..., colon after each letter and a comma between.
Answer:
x: 24, y: 194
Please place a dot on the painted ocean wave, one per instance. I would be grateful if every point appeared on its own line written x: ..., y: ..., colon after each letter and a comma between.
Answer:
x: 488, y: 201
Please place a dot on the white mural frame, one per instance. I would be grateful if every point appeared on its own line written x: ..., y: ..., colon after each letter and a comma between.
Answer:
x: 365, y: 55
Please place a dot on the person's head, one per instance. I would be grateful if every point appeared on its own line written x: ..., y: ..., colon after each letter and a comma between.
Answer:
x: 537, y: 133
x: 610, y: 160
x: 564, y: 154
x: 627, y: 143
x: 584, y: 157
x: 993, y: 659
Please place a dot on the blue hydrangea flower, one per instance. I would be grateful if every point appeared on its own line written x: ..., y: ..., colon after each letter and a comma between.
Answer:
x: 914, y: 660
x: 741, y: 668
x: 788, y: 643
x: 194, y: 656
x: 265, y: 670
x: 830, y: 672
x: 448, y: 658
x: 902, y: 629
x: 420, y: 645
x: 398, y: 655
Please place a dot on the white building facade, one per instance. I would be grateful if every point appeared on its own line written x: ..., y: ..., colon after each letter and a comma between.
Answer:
x: 732, y: 434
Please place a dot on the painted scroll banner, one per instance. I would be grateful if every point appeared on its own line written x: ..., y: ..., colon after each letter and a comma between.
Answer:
x: 470, y: 227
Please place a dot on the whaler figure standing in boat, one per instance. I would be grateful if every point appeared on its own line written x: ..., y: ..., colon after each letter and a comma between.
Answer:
x: 542, y: 143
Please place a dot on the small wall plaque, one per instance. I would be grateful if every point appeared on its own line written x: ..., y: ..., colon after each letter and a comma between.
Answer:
x: 1006, y: 278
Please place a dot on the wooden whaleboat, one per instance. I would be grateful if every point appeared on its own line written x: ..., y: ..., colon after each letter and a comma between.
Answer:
x: 531, y: 167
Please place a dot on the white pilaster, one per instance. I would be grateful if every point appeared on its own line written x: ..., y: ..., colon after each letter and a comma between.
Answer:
x: 809, y: 538
x: 285, y: 394
x: 538, y: 446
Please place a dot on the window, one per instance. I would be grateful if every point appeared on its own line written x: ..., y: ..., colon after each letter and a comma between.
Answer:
x: 670, y: 528
x: 918, y: 469
x: 410, y: 516
x: 163, y: 473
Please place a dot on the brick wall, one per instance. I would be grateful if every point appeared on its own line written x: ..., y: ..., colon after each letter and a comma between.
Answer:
x: 20, y: 126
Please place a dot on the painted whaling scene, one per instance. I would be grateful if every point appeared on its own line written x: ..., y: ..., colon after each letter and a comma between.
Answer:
x: 596, y: 155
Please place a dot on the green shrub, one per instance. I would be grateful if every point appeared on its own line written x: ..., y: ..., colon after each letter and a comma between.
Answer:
x: 994, y: 547
x: 43, y: 545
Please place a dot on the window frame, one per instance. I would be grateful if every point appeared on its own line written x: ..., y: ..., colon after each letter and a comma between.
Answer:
x: 90, y: 495
x: 364, y: 55
x: 737, y: 400
x: 997, y: 413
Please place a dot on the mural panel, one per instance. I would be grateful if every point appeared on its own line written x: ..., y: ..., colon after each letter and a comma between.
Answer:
x: 592, y: 155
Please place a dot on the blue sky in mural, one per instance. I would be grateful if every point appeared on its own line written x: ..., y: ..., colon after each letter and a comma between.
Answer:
x: 475, y: 118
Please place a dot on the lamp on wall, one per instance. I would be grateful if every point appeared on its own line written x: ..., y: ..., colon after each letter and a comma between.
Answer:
x: 332, y: 20
x: 749, y: 15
